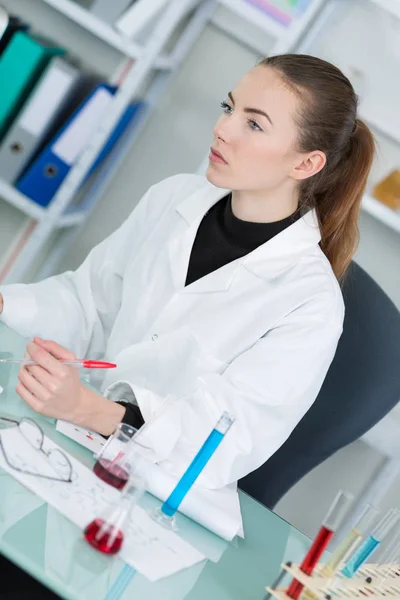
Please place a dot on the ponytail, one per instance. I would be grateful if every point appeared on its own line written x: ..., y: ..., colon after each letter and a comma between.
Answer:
x: 339, y: 205
x: 327, y: 121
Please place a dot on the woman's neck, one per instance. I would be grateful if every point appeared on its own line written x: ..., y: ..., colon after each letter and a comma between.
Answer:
x: 260, y: 206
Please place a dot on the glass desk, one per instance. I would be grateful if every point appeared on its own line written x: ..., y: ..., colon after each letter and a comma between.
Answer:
x: 45, y: 544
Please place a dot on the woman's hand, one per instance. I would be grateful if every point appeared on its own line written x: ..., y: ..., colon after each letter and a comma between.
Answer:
x: 55, y: 390
x: 50, y: 387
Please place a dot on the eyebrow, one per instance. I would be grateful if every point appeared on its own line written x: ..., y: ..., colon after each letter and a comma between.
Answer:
x: 257, y: 111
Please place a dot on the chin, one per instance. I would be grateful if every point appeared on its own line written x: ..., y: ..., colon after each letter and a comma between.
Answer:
x: 217, y: 179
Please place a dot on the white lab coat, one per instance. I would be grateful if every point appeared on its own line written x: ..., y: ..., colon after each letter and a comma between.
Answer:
x: 254, y: 338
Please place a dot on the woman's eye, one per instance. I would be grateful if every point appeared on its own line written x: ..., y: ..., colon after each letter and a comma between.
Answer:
x: 254, y: 125
x: 226, y: 108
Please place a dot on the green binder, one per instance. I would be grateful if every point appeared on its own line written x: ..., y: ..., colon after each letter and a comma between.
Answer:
x: 21, y: 65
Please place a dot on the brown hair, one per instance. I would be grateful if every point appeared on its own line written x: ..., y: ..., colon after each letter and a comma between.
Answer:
x: 328, y: 122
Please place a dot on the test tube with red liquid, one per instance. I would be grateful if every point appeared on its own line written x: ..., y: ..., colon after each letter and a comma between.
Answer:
x: 330, y: 524
x: 115, y: 461
x: 106, y: 533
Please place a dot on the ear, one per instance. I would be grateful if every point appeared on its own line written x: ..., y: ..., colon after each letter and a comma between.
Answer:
x: 310, y: 164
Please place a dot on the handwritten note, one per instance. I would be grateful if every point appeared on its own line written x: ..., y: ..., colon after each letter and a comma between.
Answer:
x: 152, y: 550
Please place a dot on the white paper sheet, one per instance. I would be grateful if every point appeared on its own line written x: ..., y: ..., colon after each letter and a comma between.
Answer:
x: 151, y: 549
x: 216, y: 510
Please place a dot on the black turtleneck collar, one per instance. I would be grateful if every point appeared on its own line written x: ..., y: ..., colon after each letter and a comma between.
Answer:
x: 222, y: 238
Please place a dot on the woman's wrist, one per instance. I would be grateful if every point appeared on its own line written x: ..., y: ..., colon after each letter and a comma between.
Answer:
x: 97, y: 413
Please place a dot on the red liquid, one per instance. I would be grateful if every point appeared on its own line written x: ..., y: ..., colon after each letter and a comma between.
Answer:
x: 111, y: 474
x: 109, y: 542
x: 312, y: 557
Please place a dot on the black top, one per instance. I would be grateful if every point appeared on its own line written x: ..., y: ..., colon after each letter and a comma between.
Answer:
x: 221, y: 238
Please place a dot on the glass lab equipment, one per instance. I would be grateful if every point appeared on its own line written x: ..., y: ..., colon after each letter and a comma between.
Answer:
x: 330, y: 524
x: 166, y: 514
x: 389, y: 556
x: 371, y: 543
x: 361, y: 528
x: 115, y: 460
x: 106, y: 532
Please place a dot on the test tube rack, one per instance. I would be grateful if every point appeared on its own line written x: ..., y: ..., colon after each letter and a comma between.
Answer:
x: 378, y: 582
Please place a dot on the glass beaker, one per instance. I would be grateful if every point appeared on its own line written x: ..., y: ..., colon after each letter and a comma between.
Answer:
x: 115, y: 460
x: 106, y: 533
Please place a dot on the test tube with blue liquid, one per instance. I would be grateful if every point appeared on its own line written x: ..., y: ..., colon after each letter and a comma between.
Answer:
x: 359, y: 531
x: 385, y: 566
x: 166, y: 514
x: 371, y: 543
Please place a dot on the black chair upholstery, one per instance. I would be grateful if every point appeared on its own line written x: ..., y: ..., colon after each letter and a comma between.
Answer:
x: 361, y: 387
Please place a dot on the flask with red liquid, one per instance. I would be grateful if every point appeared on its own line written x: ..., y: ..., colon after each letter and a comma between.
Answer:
x: 106, y: 532
x: 332, y: 521
x: 115, y: 461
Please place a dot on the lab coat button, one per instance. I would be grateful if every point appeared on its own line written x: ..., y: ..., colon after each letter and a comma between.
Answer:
x: 154, y: 337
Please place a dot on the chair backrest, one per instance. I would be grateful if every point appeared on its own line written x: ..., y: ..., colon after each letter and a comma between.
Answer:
x: 361, y: 387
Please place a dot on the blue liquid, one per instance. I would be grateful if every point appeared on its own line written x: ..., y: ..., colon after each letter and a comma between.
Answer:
x: 360, y: 556
x: 172, y: 503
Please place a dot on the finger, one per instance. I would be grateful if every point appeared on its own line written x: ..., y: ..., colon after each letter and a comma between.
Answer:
x: 27, y: 356
x: 47, y: 361
x: 29, y: 398
x: 33, y: 385
x: 55, y: 349
x: 43, y: 377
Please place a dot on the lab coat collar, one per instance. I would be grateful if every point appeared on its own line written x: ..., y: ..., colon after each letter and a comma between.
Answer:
x: 195, y: 206
x: 284, y: 249
x: 267, y: 260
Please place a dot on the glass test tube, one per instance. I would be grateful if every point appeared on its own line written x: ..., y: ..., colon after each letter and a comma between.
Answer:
x: 389, y: 555
x: 166, y: 514
x: 361, y: 528
x: 371, y: 543
x: 331, y: 522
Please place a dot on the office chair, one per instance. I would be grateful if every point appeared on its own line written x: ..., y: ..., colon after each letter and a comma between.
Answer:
x: 361, y: 387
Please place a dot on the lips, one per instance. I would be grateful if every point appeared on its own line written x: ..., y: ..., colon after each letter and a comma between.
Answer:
x: 217, y: 154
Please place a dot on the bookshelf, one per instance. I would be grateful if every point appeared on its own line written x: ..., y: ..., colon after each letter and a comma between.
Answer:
x: 182, y: 21
x: 103, y: 31
x: 146, y: 61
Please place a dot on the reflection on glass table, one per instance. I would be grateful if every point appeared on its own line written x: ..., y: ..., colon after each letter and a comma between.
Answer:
x: 57, y: 555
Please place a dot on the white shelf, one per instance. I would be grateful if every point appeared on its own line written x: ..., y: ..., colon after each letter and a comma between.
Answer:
x: 10, y: 194
x: 382, y: 213
x: 20, y: 201
x: 101, y: 30
x: 255, y: 16
x: 72, y: 219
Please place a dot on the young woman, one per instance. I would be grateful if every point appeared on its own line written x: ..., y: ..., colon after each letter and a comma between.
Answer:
x: 221, y: 291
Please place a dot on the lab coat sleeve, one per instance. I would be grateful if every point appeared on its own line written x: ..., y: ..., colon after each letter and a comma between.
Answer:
x: 78, y: 309
x: 267, y: 389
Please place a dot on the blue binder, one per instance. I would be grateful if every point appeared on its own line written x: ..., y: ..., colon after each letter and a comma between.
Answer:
x: 133, y: 110
x: 45, y: 175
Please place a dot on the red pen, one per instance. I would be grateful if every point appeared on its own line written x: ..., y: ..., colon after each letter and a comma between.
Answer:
x: 86, y: 364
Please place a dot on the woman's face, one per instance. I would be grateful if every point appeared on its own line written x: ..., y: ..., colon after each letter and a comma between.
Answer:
x: 256, y: 135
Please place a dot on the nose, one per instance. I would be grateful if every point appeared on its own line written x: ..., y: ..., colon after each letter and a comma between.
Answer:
x: 220, y: 130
